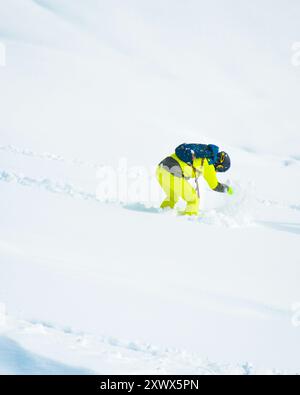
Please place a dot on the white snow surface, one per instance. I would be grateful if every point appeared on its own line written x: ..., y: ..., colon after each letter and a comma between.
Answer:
x: 93, y: 286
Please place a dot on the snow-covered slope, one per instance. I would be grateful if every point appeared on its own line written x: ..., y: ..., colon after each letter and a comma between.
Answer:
x: 95, y: 284
x: 102, y: 354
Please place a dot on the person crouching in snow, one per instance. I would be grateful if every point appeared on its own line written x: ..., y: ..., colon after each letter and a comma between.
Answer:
x: 191, y: 161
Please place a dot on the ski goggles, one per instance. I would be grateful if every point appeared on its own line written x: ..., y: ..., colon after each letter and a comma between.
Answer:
x: 220, y: 168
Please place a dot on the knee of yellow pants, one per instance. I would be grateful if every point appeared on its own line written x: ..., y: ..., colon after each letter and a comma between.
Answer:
x: 190, y: 195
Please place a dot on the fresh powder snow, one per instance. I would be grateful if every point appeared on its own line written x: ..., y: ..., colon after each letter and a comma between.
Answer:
x: 94, y: 278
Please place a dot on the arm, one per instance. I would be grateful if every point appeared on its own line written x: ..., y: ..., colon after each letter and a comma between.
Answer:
x: 210, y: 176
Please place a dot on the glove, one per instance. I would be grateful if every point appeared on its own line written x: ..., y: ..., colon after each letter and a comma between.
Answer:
x: 230, y: 191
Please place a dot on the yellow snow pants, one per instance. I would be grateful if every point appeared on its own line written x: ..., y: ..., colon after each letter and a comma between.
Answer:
x: 176, y: 188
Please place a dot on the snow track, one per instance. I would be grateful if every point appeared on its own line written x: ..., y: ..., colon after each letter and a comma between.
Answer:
x: 49, y: 157
x: 47, y: 185
x: 102, y: 355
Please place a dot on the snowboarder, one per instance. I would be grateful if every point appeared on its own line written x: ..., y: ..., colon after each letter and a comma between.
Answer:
x: 191, y: 161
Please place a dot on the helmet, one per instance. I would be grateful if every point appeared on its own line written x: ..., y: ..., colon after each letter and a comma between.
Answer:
x: 223, y: 163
